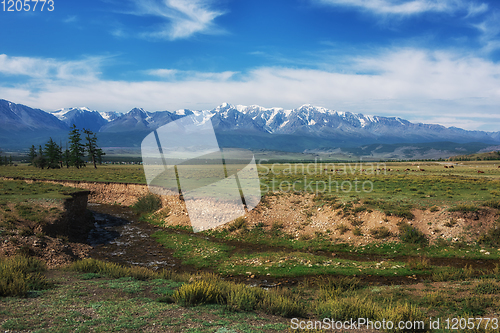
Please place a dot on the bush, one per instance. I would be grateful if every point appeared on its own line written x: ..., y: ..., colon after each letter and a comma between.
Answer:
x: 412, y: 235
x: 357, y: 232
x: 380, y: 232
x: 147, y: 204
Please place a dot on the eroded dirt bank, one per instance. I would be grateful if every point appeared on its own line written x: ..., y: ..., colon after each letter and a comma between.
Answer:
x: 302, y: 216
x: 53, y: 230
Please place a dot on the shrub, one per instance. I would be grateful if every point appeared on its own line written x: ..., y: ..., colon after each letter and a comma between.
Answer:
x: 357, y: 232
x: 147, y: 204
x: 434, y: 209
x: 380, y: 232
x: 410, y: 234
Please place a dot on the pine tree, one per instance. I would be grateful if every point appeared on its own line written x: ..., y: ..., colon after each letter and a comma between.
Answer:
x: 100, y: 154
x: 67, y: 156
x: 76, y: 149
x: 61, y: 156
x: 52, y: 154
x: 91, y: 146
x: 39, y: 161
x: 32, y: 154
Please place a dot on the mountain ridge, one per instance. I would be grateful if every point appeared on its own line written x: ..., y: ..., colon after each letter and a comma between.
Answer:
x: 239, y: 126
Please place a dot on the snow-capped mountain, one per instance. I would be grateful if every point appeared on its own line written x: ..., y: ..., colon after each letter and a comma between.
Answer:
x: 18, y: 117
x: 309, y: 120
x: 255, y: 127
x: 82, y: 117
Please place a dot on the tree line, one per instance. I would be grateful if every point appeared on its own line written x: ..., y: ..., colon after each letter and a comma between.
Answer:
x: 5, y: 160
x: 52, y: 155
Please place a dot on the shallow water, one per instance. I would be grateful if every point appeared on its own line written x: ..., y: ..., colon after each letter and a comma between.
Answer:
x: 119, y: 236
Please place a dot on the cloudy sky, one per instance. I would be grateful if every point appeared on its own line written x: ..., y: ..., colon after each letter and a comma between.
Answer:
x: 435, y: 61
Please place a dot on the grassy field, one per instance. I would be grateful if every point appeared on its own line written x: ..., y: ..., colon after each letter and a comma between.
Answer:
x: 382, y: 280
x: 95, y: 296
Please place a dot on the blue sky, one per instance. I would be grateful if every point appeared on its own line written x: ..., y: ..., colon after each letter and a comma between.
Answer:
x: 423, y: 60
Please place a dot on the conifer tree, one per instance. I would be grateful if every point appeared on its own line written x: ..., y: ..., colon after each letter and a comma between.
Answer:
x: 52, y: 154
x: 76, y: 148
x: 32, y: 154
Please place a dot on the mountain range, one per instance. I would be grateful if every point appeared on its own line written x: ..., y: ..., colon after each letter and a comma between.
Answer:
x: 307, y: 128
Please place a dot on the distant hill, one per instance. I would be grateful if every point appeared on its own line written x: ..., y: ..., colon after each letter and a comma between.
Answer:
x: 487, y: 156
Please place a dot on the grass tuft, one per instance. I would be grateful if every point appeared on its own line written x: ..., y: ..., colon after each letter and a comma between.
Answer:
x: 410, y: 234
x: 20, y: 274
x: 463, y: 208
x: 380, y: 232
x: 147, y: 204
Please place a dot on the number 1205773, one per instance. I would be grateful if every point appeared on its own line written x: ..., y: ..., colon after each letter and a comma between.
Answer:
x: 27, y: 5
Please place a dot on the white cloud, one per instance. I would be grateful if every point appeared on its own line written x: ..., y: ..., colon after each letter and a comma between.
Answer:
x: 174, y: 74
x: 182, y: 18
x: 47, y: 69
x: 409, y: 7
x: 476, y: 9
x: 490, y: 31
x: 436, y: 87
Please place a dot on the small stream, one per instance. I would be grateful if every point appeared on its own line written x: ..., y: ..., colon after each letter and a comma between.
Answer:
x: 118, y: 236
